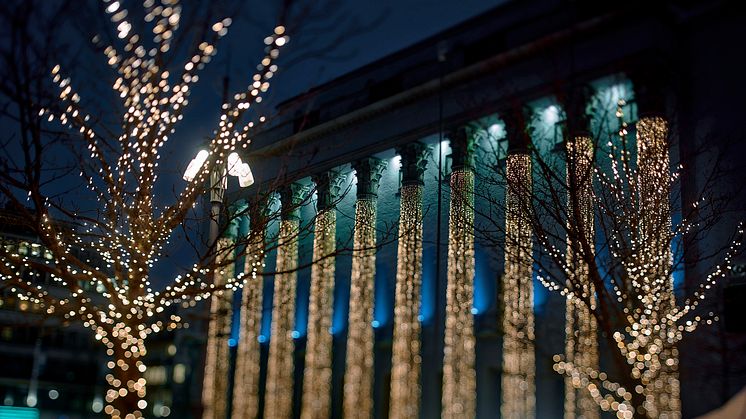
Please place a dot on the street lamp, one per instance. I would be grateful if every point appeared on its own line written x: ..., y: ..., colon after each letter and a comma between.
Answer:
x: 219, y: 182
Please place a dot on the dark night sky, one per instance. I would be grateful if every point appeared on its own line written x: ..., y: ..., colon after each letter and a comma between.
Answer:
x: 388, y: 26
x: 397, y: 24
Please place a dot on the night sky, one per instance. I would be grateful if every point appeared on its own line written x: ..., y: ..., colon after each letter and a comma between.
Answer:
x: 339, y: 39
x: 389, y: 26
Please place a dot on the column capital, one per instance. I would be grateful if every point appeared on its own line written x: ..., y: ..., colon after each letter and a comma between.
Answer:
x: 463, y: 142
x: 414, y: 157
x: 234, y: 211
x: 328, y: 186
x: 260, y: 207
x: 291, y: 197
x: 574, y: 99
x: 516, y: 129
x: 368, y: 172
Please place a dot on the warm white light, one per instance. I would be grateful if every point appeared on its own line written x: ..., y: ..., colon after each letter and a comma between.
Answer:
x: 195, y: 165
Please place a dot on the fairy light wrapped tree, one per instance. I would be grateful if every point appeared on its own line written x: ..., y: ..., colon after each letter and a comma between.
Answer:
x: 606, y: 222
x: 130, y: 227
x: 619, y: 242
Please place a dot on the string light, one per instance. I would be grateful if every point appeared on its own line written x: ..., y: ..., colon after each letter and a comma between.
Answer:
x: 317, y: 371
x: 279, y: 387
x: 459, y: 376
x: 406, y: 357
x: 217, y: 357
x: 653, y: 322
x: 246, y: 381
x: 131, y: 230
x: 358, y: 380
x: 581, y: 341
x: 519, y: 370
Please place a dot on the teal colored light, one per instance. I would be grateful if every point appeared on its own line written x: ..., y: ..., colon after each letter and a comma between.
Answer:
x: 484, y: 281
x: 11, y: 412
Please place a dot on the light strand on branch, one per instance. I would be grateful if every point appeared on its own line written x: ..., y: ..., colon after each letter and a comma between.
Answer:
x: 459, y: 376
x: 519, y: 370
x: 406, y: 358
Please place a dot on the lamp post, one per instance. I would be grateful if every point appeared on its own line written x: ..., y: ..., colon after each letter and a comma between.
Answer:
x: 219, y: 183
x: 215, y: 374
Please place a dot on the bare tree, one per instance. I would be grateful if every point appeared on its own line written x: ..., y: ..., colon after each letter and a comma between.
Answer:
x: 82, y: 171
x: 601, y: 210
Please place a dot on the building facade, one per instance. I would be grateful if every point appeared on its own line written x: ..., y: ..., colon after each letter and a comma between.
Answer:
x: 423, y: 144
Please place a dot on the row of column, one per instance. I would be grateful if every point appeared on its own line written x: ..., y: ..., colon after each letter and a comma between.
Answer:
x: 459, y: 382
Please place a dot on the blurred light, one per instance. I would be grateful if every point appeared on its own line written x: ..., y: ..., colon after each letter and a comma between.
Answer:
x: 195, y: 165
x: 550, y: 115
x: 98, y: 405
x: 496, y: 131
x: 53, y: 394
x: 179, y: 373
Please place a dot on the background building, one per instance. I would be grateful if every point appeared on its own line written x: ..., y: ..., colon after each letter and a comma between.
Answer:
x: 521, y: 54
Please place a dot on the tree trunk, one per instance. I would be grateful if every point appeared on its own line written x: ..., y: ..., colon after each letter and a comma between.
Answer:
x: 126, y: 393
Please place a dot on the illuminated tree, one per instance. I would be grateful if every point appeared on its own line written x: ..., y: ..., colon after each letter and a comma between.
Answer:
x: 608, y: 229
x: 126, y: 224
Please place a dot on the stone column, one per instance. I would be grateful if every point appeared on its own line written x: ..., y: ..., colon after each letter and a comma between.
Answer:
x: 581, y: 328
x: 246, y: 381
x: 655, y: 256
x: 406, y: 357
x: 279, y: 387
x: 217, y: 358
x: 358, y: 380
x: 459, y: 377
x: 317, y: 372
x: 519, y: 370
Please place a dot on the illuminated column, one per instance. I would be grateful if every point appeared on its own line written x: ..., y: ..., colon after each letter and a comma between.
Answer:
x: 581, y: 329
x: 246, y: 381
x: 519, y: 370
x: 406, y: 357
x: 655, y: 257
x: 217, y: 358
x: 654, y: 185
x: 358, y: 380
x: 581, y: 344
x: 317, y: 371
x: 279, y: 388
x: 459, y: 377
